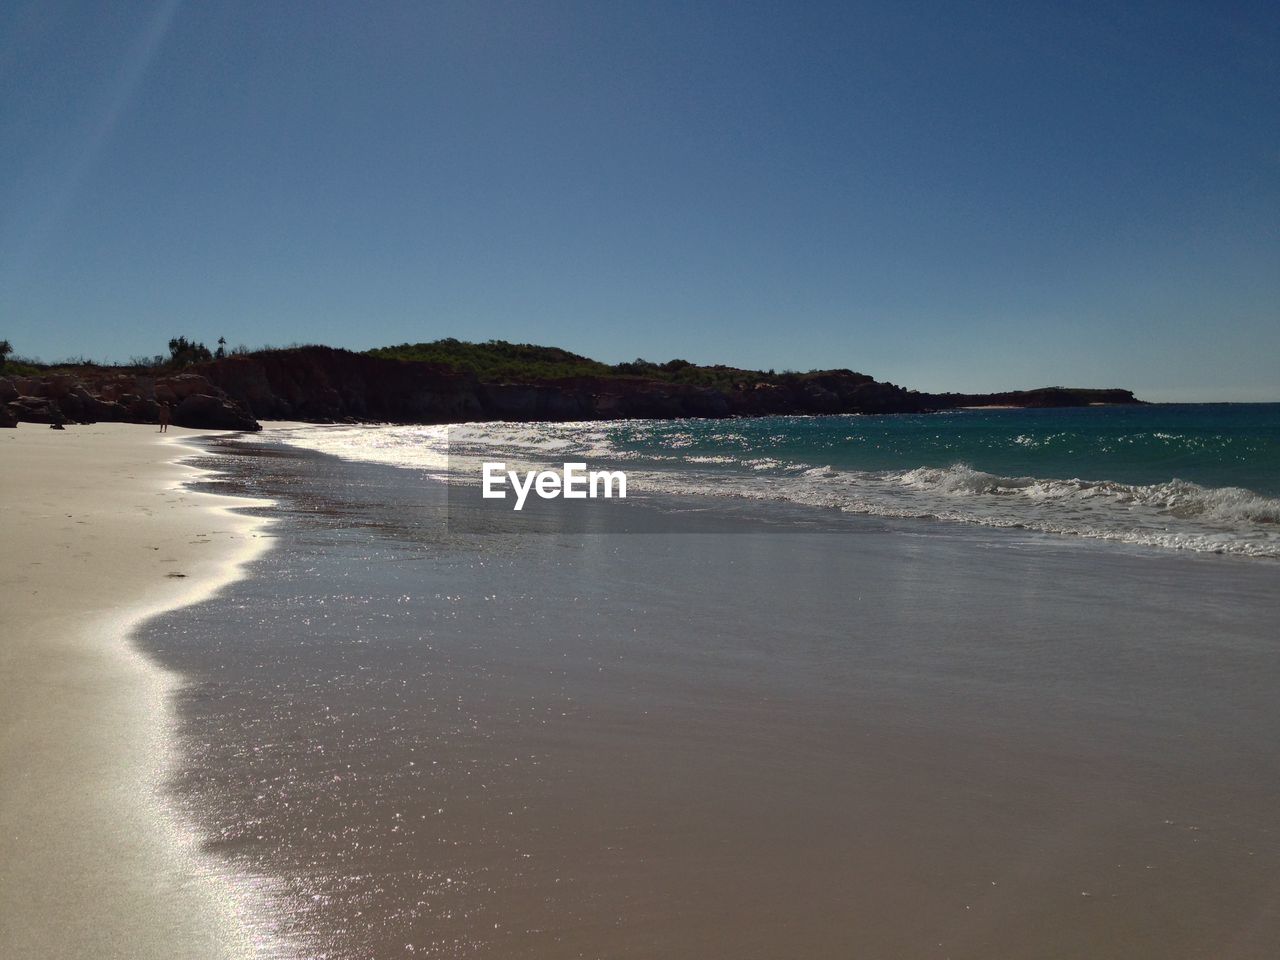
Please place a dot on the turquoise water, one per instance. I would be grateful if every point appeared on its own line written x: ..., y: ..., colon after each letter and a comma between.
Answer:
x: 1213, y: 445
x: 1191, y: 477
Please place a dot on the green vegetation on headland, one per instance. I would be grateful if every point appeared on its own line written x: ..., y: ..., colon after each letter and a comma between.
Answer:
x: 13, y: 366
x: 493, y: 361
x: 497, y: 359
x: 452, y: 381
x: 501, y: 361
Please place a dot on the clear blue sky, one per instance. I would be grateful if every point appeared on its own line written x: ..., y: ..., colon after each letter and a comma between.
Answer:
x: 948, y: 195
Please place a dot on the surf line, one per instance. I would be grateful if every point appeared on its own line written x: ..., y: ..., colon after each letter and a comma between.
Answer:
x: 573, y: 482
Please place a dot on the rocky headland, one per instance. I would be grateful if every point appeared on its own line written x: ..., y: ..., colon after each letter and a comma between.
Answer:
x: 322, y: 384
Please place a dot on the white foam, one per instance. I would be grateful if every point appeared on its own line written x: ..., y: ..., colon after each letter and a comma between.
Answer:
x: 1176, y: 514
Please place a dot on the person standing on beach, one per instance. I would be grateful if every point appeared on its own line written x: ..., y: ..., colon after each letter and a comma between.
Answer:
x: 164, y: 417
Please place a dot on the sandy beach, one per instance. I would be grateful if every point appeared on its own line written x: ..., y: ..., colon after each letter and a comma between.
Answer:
x: 99, y: 534
x: 866, y: 737
x: 639, y: 482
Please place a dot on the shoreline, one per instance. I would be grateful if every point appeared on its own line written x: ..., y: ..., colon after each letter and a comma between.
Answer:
x: 1170, y: 482
x: 131, y: 832
x: 550, y: 745
x: 102, y: 533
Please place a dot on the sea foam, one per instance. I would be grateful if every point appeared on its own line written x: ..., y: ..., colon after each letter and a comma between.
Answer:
x: 724, y: 458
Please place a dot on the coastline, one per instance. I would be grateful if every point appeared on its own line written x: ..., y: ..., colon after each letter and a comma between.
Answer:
x: 566, y: 744
x: 100, y: 534
x: 553, y: 743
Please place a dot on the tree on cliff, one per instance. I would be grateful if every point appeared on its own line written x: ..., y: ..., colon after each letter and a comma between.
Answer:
x: 6, y: 348
x: 184, y: 352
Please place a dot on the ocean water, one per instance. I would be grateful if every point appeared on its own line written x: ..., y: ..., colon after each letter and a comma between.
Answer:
x: 1204, y: 478
x: 917, y: 739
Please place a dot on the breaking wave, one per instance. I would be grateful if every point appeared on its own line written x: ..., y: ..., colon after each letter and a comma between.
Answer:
x: 1176, y: 514
x: 775, y: 459
x: 1177, y: 498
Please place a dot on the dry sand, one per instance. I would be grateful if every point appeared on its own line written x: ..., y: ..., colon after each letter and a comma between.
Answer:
x: 95, y: 529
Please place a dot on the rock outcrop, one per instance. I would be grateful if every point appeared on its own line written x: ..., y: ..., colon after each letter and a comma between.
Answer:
x: 320, y: 383
x: 94, y: 394
x: 326, y: 385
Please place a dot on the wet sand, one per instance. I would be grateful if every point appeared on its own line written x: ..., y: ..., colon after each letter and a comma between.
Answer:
x: 889, y: 739
x: 96, y: 535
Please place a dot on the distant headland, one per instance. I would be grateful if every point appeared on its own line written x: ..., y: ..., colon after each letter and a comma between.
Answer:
x: 453, y: 381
